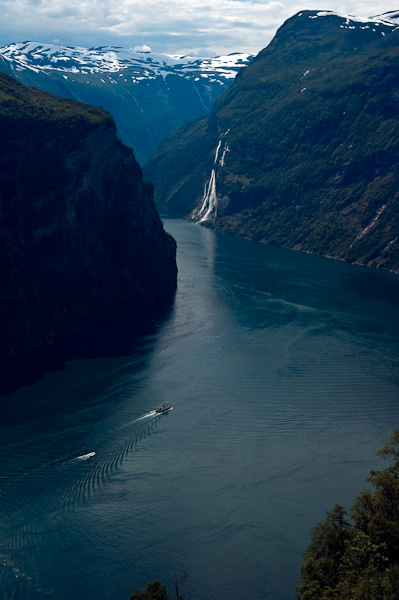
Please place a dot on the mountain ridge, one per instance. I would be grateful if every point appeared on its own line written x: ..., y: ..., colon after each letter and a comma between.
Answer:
x: 37, y: 56
x: 148, y: 94
x: 302, y: 150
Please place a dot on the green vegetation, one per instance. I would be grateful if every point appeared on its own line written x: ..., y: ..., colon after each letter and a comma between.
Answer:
x: 155, y: 590
x: 19, y: 103
x: 312, y: 131
x: 358, y: 559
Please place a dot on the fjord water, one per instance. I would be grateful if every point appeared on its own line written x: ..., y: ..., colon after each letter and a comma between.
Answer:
x: 283, y: 369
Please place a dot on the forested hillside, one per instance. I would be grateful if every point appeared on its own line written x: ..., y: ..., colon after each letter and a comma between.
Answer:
x: 303, y: 149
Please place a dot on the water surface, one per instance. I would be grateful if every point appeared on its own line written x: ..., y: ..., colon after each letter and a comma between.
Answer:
x: 283, y: 371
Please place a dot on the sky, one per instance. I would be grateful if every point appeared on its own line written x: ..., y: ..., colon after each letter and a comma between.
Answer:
x: 196, y: 27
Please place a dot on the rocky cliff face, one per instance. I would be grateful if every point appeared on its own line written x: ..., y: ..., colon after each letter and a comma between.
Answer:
x: 80, y: 239
x: 303, y: 150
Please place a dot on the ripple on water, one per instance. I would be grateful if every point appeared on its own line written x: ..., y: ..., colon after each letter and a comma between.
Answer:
x: 284, y: 379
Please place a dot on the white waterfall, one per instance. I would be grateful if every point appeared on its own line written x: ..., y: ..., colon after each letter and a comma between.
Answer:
x: 217, y: 152
x: 209, y: 202
x: 370, y: 225
x: 225, y: 150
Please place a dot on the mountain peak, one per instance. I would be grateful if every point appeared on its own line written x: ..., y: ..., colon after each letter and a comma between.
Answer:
x: 38, y: 57
x: 148, y: 93
x: 389, y: 18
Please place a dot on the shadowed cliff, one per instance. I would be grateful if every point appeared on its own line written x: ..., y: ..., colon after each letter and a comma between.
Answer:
x: 80, y: 239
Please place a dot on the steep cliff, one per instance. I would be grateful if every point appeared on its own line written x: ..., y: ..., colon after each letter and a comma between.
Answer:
x: 80, y: 239
x: 303, y: 150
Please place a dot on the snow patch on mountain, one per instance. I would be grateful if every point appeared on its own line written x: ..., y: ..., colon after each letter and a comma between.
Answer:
x: 390, y: 19
x: 146, y: 65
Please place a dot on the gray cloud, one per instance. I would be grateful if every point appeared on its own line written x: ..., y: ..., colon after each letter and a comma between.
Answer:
x: 177, y: 26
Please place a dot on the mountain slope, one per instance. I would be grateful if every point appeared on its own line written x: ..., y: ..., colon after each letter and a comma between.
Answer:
x: 148, y: 94
x: 81, y: 242
x: 303, y: 150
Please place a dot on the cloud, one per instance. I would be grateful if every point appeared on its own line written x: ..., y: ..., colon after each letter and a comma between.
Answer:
x: 142, y: 48
x: 166, y: 25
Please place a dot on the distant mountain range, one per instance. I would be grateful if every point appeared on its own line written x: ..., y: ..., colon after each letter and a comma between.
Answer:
x: 149, y: 94
x: 303, y: 149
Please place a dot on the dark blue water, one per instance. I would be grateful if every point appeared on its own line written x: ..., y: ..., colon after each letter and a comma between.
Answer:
x: 283, y: 369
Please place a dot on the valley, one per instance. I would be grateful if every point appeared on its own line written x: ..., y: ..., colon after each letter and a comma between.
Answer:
x: 148, y: 94
x: 167, y: 229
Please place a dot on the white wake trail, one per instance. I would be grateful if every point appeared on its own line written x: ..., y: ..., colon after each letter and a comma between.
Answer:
x: 152, y: 413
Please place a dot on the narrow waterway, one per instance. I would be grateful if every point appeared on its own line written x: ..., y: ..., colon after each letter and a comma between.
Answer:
x: 283, y: 370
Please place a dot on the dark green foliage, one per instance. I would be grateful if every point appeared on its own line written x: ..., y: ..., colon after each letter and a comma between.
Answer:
x: 21, y: 104
x: 358, y: 559
x: 312, y: 127
x: 320, y: 572
x: 378, y: 514
x: 155, y: 590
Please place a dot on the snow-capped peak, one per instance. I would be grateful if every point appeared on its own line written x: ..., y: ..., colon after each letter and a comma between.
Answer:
x: 390, y: 19
x: 108, y: 59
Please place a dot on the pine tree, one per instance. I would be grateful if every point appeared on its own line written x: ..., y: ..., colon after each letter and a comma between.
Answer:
x: 358, y: 559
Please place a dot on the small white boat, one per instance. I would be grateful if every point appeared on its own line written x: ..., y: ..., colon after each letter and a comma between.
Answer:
x: 164, y: 407
x: 86, y: 456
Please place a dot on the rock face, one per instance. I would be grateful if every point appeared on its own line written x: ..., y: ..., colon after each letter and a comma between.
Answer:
x: 80, y: 239
x: 148, y: 94
x: 303, y: 150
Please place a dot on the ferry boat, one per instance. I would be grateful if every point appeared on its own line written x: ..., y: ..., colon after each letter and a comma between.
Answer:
x: 164, y: 407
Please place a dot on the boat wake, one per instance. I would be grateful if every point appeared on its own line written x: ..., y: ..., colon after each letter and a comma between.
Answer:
x: 59, y: 485
x: 6, y: 561
x: 152, y: 413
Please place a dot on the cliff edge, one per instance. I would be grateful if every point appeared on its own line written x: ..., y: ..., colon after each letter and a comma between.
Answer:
x: 80, y: 239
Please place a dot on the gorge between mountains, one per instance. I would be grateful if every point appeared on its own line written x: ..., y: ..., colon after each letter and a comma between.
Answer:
x: 282, y: 368
x: 282, y: 365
